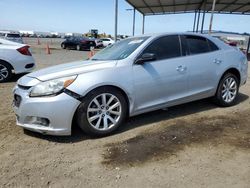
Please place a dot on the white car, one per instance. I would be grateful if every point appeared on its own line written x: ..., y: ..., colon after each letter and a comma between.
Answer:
x: 107, y: 41
x: 15, y: 58
x: 11, y: 36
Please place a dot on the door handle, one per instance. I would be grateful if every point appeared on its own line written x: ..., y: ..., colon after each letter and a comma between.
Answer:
x: 181, y: 68
x: 217, y: 61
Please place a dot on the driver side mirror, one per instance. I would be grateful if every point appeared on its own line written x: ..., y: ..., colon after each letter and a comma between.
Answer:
x: 146, y: 57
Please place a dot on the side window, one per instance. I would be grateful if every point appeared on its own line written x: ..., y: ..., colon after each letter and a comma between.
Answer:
x: 197, y: 45
x: 165, y: 47
x: 212, y: 46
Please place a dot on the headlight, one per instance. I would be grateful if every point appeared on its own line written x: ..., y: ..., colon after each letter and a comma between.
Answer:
x: 51, y: 87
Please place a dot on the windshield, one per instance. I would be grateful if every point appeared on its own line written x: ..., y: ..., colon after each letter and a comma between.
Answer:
x: 120, y: 50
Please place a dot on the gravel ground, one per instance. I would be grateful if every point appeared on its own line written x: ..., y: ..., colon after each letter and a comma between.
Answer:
x: 191, y: 145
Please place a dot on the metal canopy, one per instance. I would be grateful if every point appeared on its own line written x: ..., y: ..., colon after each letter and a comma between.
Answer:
x: 158, y: 7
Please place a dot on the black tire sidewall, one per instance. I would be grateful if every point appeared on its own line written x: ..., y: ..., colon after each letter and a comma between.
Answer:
x: 9, y: 68
x: 81, y: 115
x: 218, y: 96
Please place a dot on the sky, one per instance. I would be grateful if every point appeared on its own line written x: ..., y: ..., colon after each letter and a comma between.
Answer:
x: 80, y: 16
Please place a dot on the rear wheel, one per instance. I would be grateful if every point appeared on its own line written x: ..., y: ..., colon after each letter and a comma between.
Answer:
x: 227, y: 91
x: 5, y: 71
x: 102, y: 111
x: 63, y: 46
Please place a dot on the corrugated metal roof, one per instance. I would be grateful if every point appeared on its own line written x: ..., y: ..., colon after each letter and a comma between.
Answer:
x: 154, y: 7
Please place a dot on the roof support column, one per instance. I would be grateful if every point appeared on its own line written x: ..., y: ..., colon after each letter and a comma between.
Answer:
x: 211, y: 19
x: 198, y: 21
x: 133, y: 22
x: 195, y: 15
x: 143, y: 23
x: 248, y: 46
x: 116, y: 18
x: 204, y: 14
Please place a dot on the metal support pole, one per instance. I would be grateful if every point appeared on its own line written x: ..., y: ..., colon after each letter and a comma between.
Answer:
x: 134, y: 22
x: 116, y: 18
x: 204, y: 14
x: 198, y: 21
x: 195, y: 15
x: 143, y: 24
x: 248, y: 46
x: 212, y: 16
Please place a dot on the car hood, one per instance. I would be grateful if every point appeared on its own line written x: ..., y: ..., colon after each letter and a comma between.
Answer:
x: 67, y: 69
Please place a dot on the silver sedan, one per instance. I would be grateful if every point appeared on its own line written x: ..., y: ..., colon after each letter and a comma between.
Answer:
x: 130, y: 77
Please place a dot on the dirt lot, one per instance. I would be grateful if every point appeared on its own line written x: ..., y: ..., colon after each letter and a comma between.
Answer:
x: 191, y: 145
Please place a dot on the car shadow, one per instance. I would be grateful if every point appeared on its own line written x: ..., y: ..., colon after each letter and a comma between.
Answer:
x: 141, y: 120
x: 15, y: 77
x: 174, y: 112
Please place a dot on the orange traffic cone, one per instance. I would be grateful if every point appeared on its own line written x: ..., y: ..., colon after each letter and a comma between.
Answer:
x: 47, y: 49
x: 38, y: 41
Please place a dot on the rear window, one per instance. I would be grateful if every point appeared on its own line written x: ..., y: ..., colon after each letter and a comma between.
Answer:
x: 13, y: 35
x: 212, y: 46
x: 197, y: 45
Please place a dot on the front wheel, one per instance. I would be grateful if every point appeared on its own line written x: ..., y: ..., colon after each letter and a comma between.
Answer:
x: 102, y: 111
x: 227, y: 91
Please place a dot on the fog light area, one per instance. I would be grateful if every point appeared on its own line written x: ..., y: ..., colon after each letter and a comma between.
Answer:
x: 37, y: 121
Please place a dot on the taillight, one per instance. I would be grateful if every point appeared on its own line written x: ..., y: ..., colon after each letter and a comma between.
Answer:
x: 24, y: 50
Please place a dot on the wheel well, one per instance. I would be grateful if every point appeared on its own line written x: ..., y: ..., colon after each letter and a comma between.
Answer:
x: 73, y: 124
x: 7, y: 63
x: 233, y: 71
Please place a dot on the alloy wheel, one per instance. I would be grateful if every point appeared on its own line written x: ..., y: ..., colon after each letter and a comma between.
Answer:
x: 4, y: 73
x: 229, y: 89
x: 104, y: 111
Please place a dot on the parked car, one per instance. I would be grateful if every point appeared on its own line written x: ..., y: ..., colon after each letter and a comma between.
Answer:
x: 78, y: 43
x: 15, y: 58
x: 130, y: 77
x: 107, y: 41
x: 11, y: 36
x: 98, y: 43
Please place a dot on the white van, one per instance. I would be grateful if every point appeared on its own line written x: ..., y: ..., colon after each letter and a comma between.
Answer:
x: 12, y: 36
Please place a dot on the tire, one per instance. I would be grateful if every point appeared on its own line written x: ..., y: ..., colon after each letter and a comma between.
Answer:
x: 5, y: 72
x: 102, y: 120
x: 63, y: 46
x: 227, y: 91
x: 78, y: 47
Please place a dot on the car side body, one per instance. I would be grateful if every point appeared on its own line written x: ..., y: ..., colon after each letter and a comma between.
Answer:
x: 175, y: 78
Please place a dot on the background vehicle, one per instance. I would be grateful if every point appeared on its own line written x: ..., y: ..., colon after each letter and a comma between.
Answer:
x: 99, y: 43
x: 78, y: 43
x: 11, y: 36
x: 107, y: 41
x: 130, y: 77
x: 15, y: 58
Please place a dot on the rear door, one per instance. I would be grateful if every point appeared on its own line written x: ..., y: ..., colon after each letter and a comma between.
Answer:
x: 164, y: 79
x: 203, y: 59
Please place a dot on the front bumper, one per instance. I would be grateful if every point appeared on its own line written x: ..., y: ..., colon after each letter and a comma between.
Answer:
x: 59, y: 110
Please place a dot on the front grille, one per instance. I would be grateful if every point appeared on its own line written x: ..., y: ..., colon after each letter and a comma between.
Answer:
x: 17, y: 100
x: 24, y: 87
